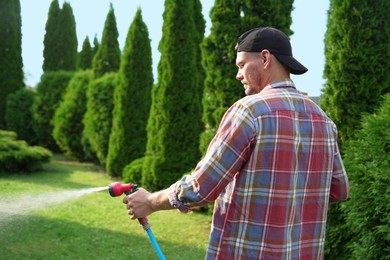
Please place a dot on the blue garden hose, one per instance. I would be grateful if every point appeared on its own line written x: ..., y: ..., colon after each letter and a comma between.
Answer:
x: 155, y: 244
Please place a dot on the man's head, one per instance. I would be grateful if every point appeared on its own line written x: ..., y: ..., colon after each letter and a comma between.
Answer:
x: 273, y: 40
x: 264, y: 55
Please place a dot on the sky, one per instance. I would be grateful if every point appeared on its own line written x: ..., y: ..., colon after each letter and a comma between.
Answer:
x: 309, y: 26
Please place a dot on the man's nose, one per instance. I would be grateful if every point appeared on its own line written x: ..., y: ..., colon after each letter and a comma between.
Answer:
x: 239, y: 76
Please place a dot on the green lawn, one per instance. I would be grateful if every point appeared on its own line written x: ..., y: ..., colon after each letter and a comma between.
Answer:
x: 40, y: 220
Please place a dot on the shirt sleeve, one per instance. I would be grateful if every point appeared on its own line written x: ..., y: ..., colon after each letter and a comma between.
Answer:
x: 226, y: 154
x: 339, y: 189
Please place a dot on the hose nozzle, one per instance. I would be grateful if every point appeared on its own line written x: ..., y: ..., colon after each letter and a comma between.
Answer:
x: 116, y: 189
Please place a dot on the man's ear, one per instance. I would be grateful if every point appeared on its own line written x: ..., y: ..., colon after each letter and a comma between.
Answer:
x: 266, y: 57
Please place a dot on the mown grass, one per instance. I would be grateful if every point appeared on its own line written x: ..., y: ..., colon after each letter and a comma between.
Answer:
x: 94, y: 226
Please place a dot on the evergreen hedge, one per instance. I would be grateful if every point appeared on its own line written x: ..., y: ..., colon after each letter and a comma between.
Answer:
x: 50, y: 91
x: 16, y: 156
x: 132, y: 99
x: 85, y: 56
x: 357, y: 61
x: 221, y: 89
x: 367, y: 160
x: 356, y: 73
x: 67, y: 121
x: 60, y: 40
x: 98, y: 116
x: 174, y: 125
x: 11, y: 63
x: 108, y: 55
x: 229, y: 20
x: 51, y: 39
x: 132, y: 173
x: 19, y: 114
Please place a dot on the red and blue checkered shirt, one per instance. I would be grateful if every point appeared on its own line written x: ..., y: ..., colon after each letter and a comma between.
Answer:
x: 272, y: 169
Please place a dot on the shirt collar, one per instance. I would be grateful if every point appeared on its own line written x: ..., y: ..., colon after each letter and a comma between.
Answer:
x: 288, y: 83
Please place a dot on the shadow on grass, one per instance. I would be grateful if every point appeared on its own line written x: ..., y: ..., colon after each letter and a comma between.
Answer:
x: 36, y: 237
x: 57, y: 174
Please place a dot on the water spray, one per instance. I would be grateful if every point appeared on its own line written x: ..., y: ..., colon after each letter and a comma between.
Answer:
x: 117, y: 189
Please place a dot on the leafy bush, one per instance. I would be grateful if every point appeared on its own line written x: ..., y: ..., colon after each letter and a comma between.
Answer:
x: 17, y: 156
x: 132, y: 173
x: 67, y: 121
x: 132, y: 99
x: 98, y: 116
x: 19, y: 113
x: 48, y: 97
x: 367, y: 161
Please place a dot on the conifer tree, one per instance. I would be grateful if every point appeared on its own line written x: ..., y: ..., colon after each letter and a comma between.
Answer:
x: 68, y: 48
x: 96, y: 45
x: 132, y: 99
x: 200, y: 27
x: 49, y: 93
x: 229, y: 20
x: 11, y: 63
x: 267, y: 13
x: 67, y: 121
x: 174, y: 124
x: 356, y: 73
x: 18, y: 114
x: 51, y: 38
x: 367, y: 210
x: 221, y: 89
x: 356, y: 61
x: 85, y: 56
x: 100, y: 95
x: 60, y: 40
x: 97, y: 119
x: 107, y: 57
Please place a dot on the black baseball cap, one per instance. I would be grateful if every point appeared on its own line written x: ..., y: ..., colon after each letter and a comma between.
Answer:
x: 275, y: 41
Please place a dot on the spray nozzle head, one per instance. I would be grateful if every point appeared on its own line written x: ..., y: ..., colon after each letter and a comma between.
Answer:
x: 116, y: 189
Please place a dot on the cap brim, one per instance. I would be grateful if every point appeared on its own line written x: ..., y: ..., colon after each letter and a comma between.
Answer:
x: 295, y: 66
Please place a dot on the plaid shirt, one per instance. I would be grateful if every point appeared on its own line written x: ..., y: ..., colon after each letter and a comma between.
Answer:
x: 272, y: 168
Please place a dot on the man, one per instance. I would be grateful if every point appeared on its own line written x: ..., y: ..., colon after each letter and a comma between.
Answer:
x: 272, y: 167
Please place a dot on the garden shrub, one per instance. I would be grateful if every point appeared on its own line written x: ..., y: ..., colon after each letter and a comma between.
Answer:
x: 17, y: 156
x: 19, y: 113
x: 132, y: 173
x: 97, y: 119
x: 367, y: 161
x: 49, y: 94
x: 67, y: 121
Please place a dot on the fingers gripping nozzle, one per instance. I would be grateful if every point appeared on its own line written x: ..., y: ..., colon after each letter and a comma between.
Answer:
x: 116, y: 189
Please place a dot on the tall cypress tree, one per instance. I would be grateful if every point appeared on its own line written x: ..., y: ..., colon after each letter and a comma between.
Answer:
x: 100, y: 95
x: 174, y: 124
x: 68, y: 49
x: 275, y: 13
x: 67, y: 120
x: 11, y: 63
x: 60, y: 41
x: 49, y: 94
x: 229, y: 20
x: 356, y: 72
x: 18, y: 114
x: 221, y: 88
x: 132, y: 99
x: 357, y: 61
x: 368, y: 161
x: 107, y: 57
x: 51, y: 39
x: 97, y: 119
x: 96, y: 45
x: 85, y: 56
x: 200, y: 26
